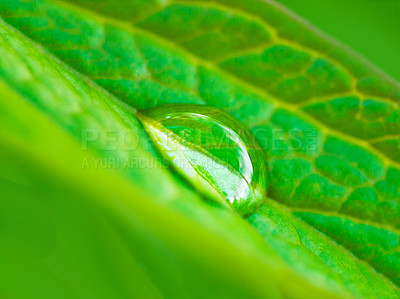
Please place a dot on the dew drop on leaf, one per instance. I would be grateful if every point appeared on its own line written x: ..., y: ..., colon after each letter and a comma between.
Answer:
x: 211, y: 150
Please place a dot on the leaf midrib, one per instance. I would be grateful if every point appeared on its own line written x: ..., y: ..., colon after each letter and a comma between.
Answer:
x: 197, y: 61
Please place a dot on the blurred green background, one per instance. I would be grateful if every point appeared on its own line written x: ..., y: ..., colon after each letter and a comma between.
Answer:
x: 370, y: 27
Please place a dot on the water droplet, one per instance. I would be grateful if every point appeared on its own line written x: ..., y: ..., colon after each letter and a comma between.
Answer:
x: 212, y: 150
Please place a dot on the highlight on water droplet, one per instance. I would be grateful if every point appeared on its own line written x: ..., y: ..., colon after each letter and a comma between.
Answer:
x: 212, y: 150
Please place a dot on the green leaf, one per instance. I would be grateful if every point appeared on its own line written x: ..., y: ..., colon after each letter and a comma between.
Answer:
x: 73, y: 229
x: 327, y: 120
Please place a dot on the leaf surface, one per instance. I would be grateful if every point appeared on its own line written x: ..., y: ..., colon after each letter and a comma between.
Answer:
x: 73, y: 229
x: 327, y: 120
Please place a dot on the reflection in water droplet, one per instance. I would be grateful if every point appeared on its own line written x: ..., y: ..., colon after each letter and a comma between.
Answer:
x: 212, y: 150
